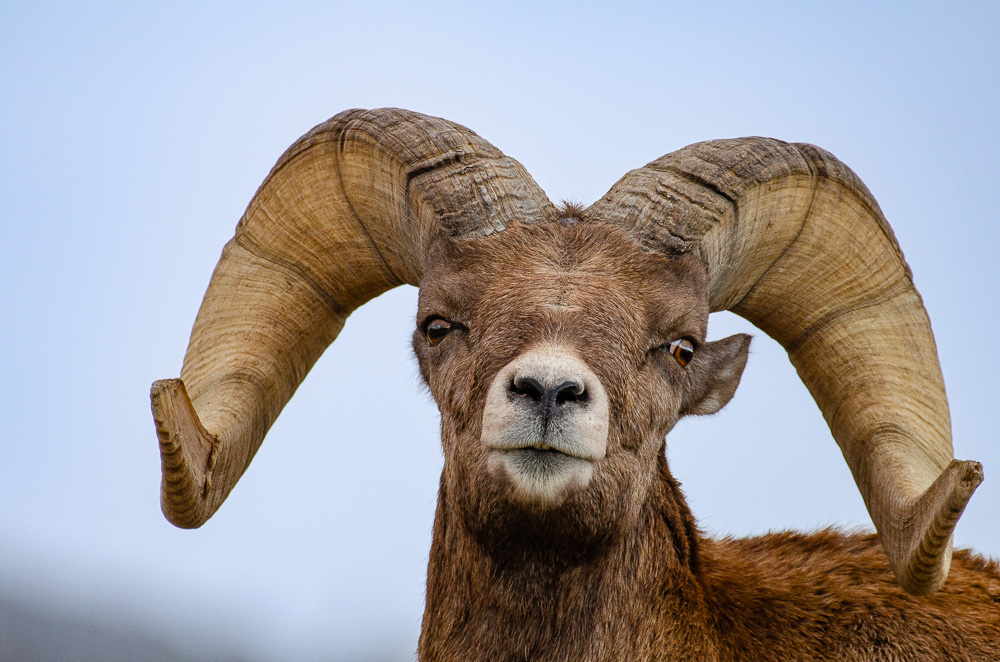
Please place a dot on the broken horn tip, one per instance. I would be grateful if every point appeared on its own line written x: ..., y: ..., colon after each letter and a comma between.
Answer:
x: 972, y: 474
x: 186, y: 455
x: 163, y: 387
x: 924, y: 569
x: 956, y: 484
x: 163, y: 394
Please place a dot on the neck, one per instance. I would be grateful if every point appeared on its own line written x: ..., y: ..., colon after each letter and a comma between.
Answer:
x: 530, y: 603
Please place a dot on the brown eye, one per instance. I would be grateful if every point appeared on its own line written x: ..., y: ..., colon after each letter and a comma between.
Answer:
x: 682, y: 350
x: 437, y: 330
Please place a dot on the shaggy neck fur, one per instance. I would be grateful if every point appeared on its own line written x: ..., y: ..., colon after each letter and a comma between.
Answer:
x: 660, y: 592
x: 620, y: 600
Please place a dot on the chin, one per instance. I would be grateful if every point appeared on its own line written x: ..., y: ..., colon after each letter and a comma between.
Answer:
x: 543, y: 479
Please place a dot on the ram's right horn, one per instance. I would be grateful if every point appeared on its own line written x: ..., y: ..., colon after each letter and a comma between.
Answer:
x: 346, y: 214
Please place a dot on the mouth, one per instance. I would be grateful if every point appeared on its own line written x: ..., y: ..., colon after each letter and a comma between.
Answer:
x: 540, y: 457
x: 541, y: 449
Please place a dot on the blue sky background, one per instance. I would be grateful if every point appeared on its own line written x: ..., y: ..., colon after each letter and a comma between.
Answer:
x: 132, y: 136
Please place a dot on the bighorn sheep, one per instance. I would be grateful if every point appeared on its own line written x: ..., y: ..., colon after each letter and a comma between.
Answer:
x: 561, y: 346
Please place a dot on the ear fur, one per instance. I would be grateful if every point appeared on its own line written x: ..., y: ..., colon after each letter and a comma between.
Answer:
x: 714, y: 373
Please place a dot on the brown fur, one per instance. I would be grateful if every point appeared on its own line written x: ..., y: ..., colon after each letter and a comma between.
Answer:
x: 620, y: 571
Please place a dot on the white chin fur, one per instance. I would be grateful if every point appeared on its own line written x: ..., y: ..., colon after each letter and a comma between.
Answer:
x: 541, y: 478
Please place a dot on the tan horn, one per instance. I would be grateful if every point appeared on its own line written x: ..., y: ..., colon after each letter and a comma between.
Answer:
x: 345, y: 214
x: 796, y: 244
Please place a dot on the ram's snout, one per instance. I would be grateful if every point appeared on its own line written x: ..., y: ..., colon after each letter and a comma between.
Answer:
x: 545, y: 423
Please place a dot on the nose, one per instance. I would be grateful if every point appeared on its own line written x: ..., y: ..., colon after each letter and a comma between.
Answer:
x: 548, y: 396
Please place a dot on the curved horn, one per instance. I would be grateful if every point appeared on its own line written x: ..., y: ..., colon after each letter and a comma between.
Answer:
x: 796, y: 244
x: 344, y: 215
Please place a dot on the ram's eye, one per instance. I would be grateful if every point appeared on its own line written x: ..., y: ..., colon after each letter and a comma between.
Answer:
x: 437, y: 329
x: 682, y: 350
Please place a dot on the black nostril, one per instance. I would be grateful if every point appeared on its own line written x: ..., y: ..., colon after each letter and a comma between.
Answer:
x: 570, y: 392
x: 548, y: 398
x: 528, y: 387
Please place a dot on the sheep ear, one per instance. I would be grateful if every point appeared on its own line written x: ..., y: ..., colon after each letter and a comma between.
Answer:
x: 714, y: 373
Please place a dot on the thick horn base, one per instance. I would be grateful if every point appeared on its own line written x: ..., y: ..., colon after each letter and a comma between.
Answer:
x: 919, y: 550
x: 187, y: 454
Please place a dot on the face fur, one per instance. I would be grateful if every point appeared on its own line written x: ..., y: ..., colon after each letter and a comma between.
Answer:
x: 560, y: 356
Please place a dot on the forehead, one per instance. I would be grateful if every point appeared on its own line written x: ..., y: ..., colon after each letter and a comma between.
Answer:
x: 558, y: 270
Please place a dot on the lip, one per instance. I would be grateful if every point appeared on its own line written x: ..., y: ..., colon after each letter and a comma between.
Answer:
x: 540, y: 462
x: 541, y: 448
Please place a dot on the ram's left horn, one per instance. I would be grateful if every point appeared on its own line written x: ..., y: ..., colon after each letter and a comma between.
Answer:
x: 346, y: 214
x: 795, y: 243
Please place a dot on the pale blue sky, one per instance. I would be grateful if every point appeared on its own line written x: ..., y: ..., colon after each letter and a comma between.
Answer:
x: 132, y: 136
